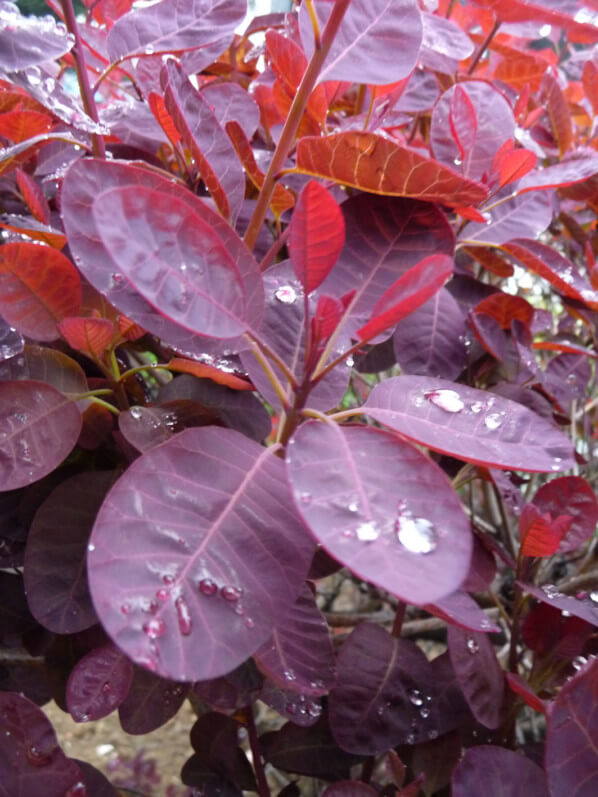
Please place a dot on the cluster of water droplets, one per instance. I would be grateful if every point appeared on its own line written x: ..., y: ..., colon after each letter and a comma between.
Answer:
x: 11, y: 342
x: 303, y: 707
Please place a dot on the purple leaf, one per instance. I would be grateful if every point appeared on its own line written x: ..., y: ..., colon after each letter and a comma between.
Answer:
x: 174, y: 26
x: 299, y: 708
x: 413, y: 540
x: 150, y: 702
x: 430, y: 341
x: 479, y: 674
x: 96, y: 782
x: 46, y: 365
x: 495, y: 124
x: 573, y: 170
x: 573, y: 496
x: 98, y: 684
x: 82, y: 184
x: 469, y: 424
x: 146, y: 427
x: 214, y: 738
x: 38, y: 428
x: 461, y: 610
x: 202, y: 133
x: 233, y: 691
x: 524, y: 216
x: 566, y: 377
x: 299, y: 654
x: 171, y: 254
x: 385, y: 237
x: 584, y: 604
x: 571, y: 746
x: 28, y: 41
x: 496, y: 772
x: 55, y: 572
x: 31, y: 761
x: 349, y: 788
x: 230, y: 102
x: 197, y: 541
x: 390, y: 28
x: 444, y: 44
x: 389, y: 694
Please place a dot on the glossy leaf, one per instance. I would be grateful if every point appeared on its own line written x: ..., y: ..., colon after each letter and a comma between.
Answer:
x: 39, y: 286
x: 444, y: 44
x: 479, y: 674
x: 33, y: 196
x: 41, y: 364
x: 98, y: 684
x: 28, y: 41
x: 540, y: 533
x: 317, y: 235
x: 571, y: 751
x: 300, y: 708
x: 461, y: 610
x: 469, y: 424
x: 573, y: 496
x: 495, y: 771
x: 202, y: 134
x: 91, y: 336
x: 206, y: 371
x: 231, y: 103
x: 519, y: 217
x: 515, y: 165
x: 407, y: 294
x: 430, y: 341
x: 521, y: 687
x: 413, y: 541
x: 86, y: 181
x: 558, y: 112
x: 583, y: 605
x: 391, y: 28
x: 505, y: 308
x: 172, y: 26
x: 190, y: 582
x: 379, y: 165
x: 299, y: 654
x: 151, y: 701
x: 568, y: 172
x: 39, y: 427
x: 55, y: 571
x: 30, y: 758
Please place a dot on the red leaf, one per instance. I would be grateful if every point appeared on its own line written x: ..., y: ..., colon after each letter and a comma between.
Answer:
x: 19, y: 125
x: 92, y: 336
x: 164, y: 119
x: 33, y: 196
x: 506, y: 308
x: 490, y: 260
x: 329, y: 312
x: 463, y: 120
x: 129, y: 329
x: 38, y: 287
x: 205, y: 371
x: 515, y: 165
x: 540, y: 535
x: 408, y: 293
x: 590, y: 83
x: 471, y: 214
x: 558, y: 112
x: 317, y: 235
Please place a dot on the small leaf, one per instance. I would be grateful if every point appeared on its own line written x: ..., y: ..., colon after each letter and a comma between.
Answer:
x: 317, y: 235
x: 515, y: 165
x: 558, y: 112
x: 39, y: 286
x: 19, y: 125
x: 205, y: 371
x: 479, y: 674
x: 92, y: 336
x: 33, y: 196
x: 98, y: 684
x: 409, y: 292
x: 151, y: 701
x: 571, y: 496
x: 540, y: 534
x: 463, y: 121
x: 505, y: 308
x: 524, y: 690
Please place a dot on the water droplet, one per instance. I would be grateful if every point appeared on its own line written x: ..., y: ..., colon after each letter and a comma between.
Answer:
x: 305, y: 498
x: 477, y: 407
x: 380, y: 710
x: 231, y: 594
x: 416, y: 534
x: 154, y: 628
x: 207, y: 587
x: 183, y: 615
x: 594, y: 596
x: 78, y: 790
x: 91, y: 547
x: 433, y: 735
x: 447, y: 400
x: 286, y: 294
x: 350, y: 361
x: 116, y: 279
x: 415, y: 697
x: 125, y: 608
x: 472, y: 645
x: 410, y: 739
x: 581, y: 595
x: 424, y: 713
x: 163, y: 594
x: 136, y: 412
x: 37, y: 757
x: 550, y: 591
x: 289, y: 675
x: 368, y: 531
x: 168, y: 578
x: 353, y: 506
x: 458, y: 161
x: 106, y: 687
x: 314, y: 709
x: 249, y: 622
x: 494, y: 420
x: 291, y: 708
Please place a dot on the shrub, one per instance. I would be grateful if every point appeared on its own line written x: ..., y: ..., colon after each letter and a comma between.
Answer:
x: 309, y: 304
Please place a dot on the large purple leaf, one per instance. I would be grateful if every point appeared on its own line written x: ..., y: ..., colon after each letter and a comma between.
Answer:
x: 461, y: 610
x: 174, y: 26
x: 413, y: 540
x: 444, y: 44
x: 390, y: 28
x: 197, y: 543
x: 583, y: 604
x: 31, y: 761
x: 495, y: 126
x: 55, y: 572
x: 232, y: 103
x: 497, y: 772
x: 299, y: 654
x: 525, y: 216
x: 170, y: 253
x: 28, y: 41
x: 98, y: 684
x: 572, y: 736
x: 573, y: 170
x: 478, y: 673
x: 298, y: 707
x: 389, y: 694
x: 82, y: 184
x: 46, y: 365
x: 146, y: 427
x: 573, y: 496
x: 431, y: 340
x: 469, y: 424
x: 385, y: 237
x: 202, y: 133
x: 150, y: 703
x: 38, y: 428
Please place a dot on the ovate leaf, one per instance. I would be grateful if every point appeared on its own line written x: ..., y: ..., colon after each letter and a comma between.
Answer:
x: 219, y: 554
x: 572, y: 496
x: 495, y: 772
x: 98, y: 684
x: 479, y: 674
x: 28, y: 41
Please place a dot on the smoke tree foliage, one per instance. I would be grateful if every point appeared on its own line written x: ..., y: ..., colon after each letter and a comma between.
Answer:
x: 287, y: 303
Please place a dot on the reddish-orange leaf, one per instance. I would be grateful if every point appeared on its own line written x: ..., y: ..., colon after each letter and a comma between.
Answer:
x: 317, y: 235
x: 164, y: 119
x: 521, y: 71
x: 506, y: 308
x: 34, y: 229
x: 39, y: 286
x: 463, y: 121
x: 590, y: 83
x: 129, y: 329
x: 19, y: 125
x: 520, y: 108
x: 92, y: 336
x: 329, y: 312
x: 471, y: 214
x: 308, y: 125
x: 408, y: 293
x: 490, y: 260
x: 515, y: 165
x: 33, y: 196
x: 524, y: 690
x: 282, y: 199
x: 558, y: 112
x: 269, y: 113
x: 539, y: 534
x: 380, y: 165
x: 205, y: 371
